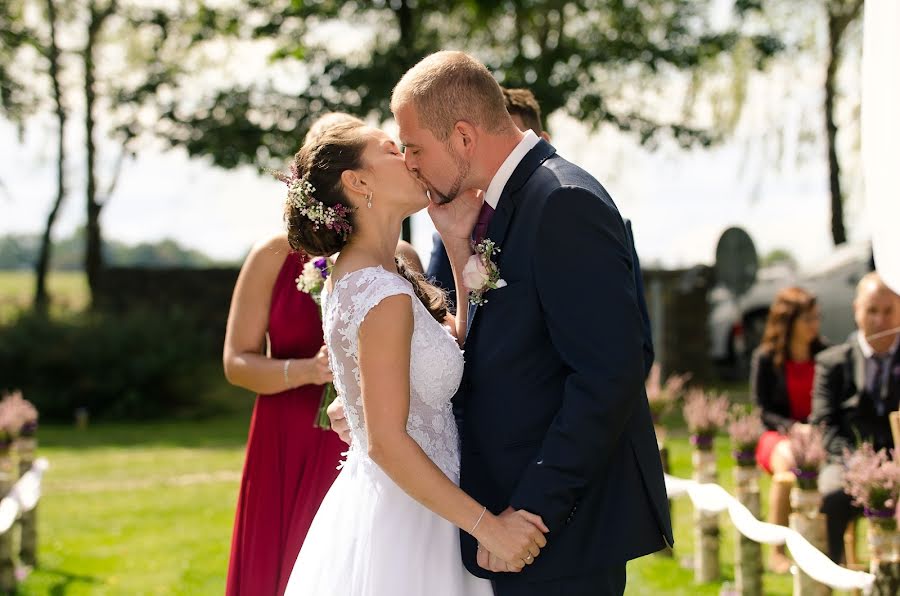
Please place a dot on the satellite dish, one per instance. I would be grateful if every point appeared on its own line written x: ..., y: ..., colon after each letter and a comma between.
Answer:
x: 736, y: 261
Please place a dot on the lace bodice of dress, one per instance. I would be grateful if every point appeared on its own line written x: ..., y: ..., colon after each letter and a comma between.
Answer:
x: 436, y: 364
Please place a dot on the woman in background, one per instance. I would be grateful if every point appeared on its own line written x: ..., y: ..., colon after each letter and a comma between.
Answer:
x: 781, y: 381
x: 290, y: 464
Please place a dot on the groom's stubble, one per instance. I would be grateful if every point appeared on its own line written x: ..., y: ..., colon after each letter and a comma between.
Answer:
x: 462, y: 172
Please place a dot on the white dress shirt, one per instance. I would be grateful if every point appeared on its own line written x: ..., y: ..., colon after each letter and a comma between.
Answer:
x: 498, y: 182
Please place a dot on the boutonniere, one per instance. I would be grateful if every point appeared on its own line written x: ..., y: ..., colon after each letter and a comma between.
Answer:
x: 481, y: 272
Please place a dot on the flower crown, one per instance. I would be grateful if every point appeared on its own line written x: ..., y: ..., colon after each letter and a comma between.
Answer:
x: 300, y: 196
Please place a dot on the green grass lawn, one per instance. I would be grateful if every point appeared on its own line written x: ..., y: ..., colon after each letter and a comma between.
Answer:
x: 68, y: 291
x: 148, y: 508
x: 138, y: 508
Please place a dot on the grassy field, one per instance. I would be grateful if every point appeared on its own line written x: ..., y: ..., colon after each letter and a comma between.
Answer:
x: 68, y: 291
x: 138, y: 508
x: 147, y: 509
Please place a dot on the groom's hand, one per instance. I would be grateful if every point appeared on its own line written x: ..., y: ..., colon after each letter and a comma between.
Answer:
x: 455, y: 220
x: 515, y: 522
x: 338, y: 420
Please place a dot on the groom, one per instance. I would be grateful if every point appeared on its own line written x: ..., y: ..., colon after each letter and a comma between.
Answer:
x: 553, y: 417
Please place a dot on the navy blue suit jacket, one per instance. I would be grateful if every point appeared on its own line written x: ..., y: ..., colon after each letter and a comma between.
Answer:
x: 440, y: 274
x: 552, y: 411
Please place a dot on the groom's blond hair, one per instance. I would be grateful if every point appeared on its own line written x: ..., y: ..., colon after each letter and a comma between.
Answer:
x: 447, y: 87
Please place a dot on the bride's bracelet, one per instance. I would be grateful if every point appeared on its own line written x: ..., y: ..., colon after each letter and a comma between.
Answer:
x: 480, y: 517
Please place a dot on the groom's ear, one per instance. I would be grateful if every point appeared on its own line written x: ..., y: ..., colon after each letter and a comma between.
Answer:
x: 464, y: 135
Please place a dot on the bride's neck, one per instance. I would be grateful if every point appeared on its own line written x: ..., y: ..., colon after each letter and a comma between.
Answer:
x: 375, y: 239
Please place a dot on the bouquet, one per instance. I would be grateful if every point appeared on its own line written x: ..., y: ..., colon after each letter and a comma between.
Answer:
x: 312, y: 281
x: 662, y: 397
x: 808, y: 451
x: 705, y: 414
x: 873, y: 480
x: 18, y: 416
x: 745, y: 430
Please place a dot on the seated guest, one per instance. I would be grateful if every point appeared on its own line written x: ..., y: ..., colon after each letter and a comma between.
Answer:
x: 526, y: 113
x: 857, y: 384
x: 781, y: 381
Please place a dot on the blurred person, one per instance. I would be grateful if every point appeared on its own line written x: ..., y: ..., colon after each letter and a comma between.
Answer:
x: 857, y: 384
x: 781, y: 382
x: 290, y: 464
x: 525, y: 112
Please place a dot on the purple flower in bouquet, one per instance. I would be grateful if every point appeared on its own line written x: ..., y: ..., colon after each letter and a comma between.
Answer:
x: 705, y: 413
x: 322, y: 265
x: 312, y: 281
x: 662, y: 397
x: 745, y: 429
x: 872, y: 478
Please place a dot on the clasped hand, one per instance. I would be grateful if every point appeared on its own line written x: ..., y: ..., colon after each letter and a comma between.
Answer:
x: 510, y: 541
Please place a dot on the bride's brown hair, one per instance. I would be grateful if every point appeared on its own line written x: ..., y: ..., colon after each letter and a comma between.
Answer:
x: 321, y: 161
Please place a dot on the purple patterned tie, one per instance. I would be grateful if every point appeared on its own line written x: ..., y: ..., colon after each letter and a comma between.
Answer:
x: 484, y: 218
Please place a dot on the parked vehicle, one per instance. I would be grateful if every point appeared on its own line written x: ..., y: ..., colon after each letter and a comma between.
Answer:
x: 736, y: 326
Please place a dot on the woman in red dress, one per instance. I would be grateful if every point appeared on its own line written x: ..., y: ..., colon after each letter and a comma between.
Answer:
x: 781, y: 381
x: 290, y: 464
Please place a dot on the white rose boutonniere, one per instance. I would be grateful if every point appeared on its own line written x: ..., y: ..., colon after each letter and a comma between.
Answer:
x: 481, y: 272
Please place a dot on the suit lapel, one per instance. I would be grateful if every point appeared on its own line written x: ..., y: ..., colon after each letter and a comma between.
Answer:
x: 506, y: 206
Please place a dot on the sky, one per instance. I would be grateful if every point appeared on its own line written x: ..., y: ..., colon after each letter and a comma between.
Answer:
x: 680, y: 201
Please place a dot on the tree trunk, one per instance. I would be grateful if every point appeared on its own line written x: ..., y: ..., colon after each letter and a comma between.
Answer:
x: 840, y: 15
x: 93, y: 261
x: 838, y: 232
x: 41, y: 299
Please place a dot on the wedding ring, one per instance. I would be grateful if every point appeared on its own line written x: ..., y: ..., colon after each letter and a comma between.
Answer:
x: 529, y: 557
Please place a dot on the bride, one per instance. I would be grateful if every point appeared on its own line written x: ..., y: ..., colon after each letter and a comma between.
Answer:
x: 389, y: 524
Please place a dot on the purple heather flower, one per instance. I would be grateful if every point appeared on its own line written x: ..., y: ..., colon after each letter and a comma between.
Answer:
x: 322, y: 265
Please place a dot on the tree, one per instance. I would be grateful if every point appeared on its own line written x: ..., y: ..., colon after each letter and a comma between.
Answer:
x: 841, y: 14
x: 51, y: 52
x: 132, y: 53
x: 573, y: 55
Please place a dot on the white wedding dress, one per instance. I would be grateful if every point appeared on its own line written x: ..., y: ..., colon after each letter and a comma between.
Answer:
x: 369, y: 538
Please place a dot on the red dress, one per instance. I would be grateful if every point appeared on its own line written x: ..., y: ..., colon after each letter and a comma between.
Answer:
x: 798, y: 377
x: 290, y: 465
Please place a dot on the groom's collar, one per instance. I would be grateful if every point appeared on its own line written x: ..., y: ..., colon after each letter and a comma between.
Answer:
x: 498, y: 182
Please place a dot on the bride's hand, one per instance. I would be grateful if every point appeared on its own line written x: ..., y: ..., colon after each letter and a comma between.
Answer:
x: 454, y: 220
x: 510, y: 541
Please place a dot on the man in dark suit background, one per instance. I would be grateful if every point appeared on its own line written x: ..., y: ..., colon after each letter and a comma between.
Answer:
x: 525, y: 111
x: 553, y: 416
x: 857, y: 384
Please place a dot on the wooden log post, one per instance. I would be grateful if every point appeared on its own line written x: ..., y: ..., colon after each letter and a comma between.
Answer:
x: 706, y: 525
x: 884, y: 553
x: 7, y: 480
x: 748, y: 553
x: 809, y: 522
x: 26, y: 446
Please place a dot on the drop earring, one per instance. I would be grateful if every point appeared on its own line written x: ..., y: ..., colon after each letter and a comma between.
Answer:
x: 369, y: 200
